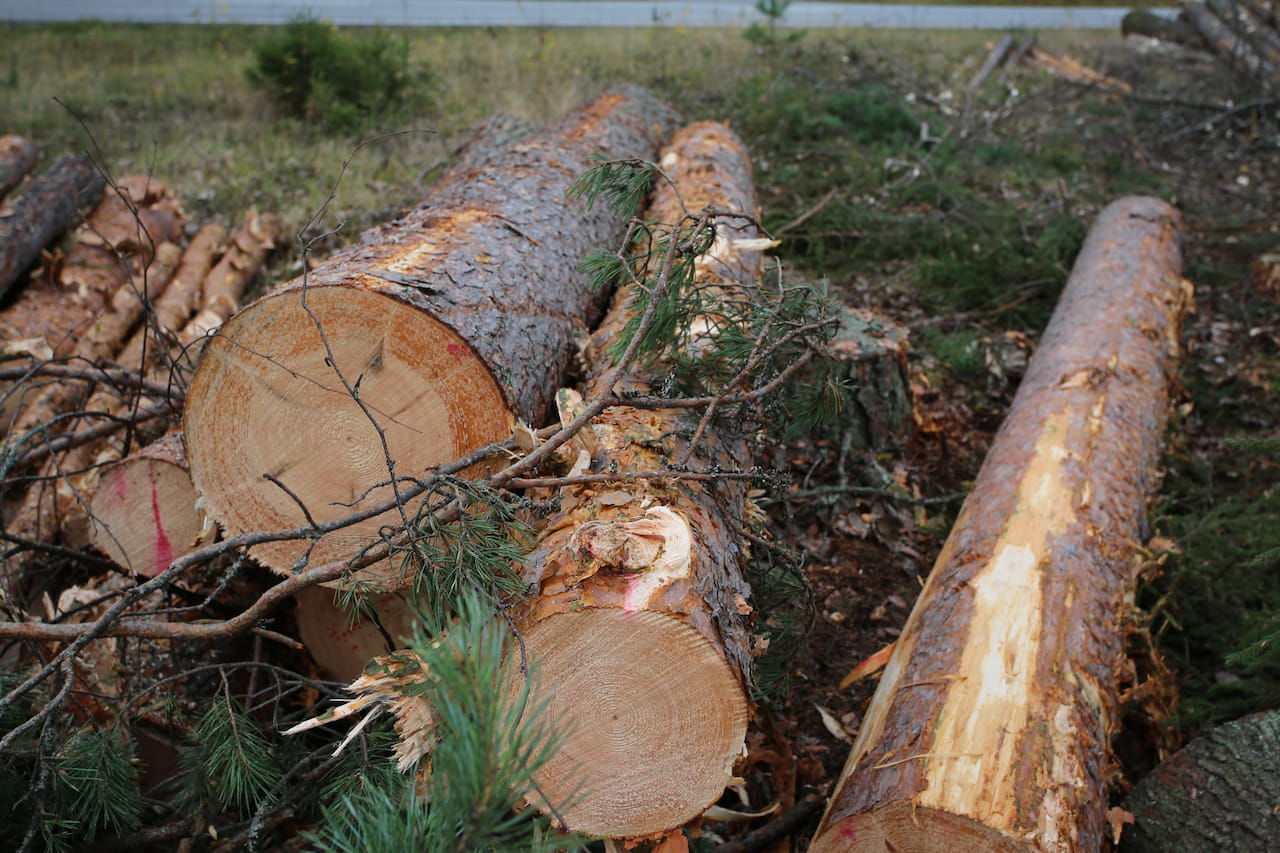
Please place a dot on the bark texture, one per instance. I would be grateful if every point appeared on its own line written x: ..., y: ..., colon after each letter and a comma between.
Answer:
x: 639, y: 625
x: 49, y: 207
x: 1220, y: 794
x: 456, y: 319
x: 17, y: 158
x: 990, y: 727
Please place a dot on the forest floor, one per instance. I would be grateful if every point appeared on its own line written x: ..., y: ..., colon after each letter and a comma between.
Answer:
x: 954, y: 215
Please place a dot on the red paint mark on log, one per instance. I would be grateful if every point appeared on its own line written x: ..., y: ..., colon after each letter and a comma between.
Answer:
x: 629, y: 604
x: 455, y: 350
x: 164, y: 548
x: 117, y: 486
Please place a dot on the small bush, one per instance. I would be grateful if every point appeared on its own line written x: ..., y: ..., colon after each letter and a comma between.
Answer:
x: 312, y: 70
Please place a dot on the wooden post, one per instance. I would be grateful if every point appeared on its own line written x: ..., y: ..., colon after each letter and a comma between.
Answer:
x: 990, y: 728
x: 455, y: 320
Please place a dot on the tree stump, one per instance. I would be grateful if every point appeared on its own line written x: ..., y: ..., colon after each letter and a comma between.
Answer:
x: 990, y: 727
x: 873, y: 352
x: 452, y: 322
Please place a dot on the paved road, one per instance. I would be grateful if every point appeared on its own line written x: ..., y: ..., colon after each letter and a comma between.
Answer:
x: 530, y: 13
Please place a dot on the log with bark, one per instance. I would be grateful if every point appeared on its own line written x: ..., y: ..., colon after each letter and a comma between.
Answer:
x: 17, y: 158
x: 424, y: 342
x: 1236, y: 51
x: 990, y: 727
x: 639, y: 627
x: 51, y: 204
x: 1219, y: 794
x: 1144, y: 22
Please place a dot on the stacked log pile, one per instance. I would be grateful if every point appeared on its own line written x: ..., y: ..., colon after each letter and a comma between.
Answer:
x: 313, y: 416
x: 1244, y: 34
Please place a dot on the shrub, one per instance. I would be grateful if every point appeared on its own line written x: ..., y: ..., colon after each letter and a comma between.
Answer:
x: 312, y: 70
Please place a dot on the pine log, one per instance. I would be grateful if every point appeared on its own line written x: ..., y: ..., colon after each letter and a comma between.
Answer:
x: 341, y: 643
x: 1247, y: 26
x: 49, y: 207
x: 1219, y: 794
x: 1144, y: 22
x: 17, y: 158
x: 455, y: 320
x: 1235, y: 51
x: 990, y: 727
x: 144, y: 508
x: 638, y: 628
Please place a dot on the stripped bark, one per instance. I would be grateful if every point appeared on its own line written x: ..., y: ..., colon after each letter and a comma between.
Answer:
x: 17, y: 158
x: 50, y: 206
x: 990, y: 727
x: 455, y: 321
x: 639, y: 623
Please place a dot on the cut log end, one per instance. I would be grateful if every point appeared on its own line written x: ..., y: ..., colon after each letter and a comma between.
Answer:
x: 639, y: 700
x: 265, y: 404
x: 145, y: 514
x: 342, y: 645
x: 917, y: 829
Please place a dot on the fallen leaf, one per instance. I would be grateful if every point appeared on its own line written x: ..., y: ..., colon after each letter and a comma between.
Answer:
x: 1118, y: 818
x: 833, y: 725
x: 870, y: 666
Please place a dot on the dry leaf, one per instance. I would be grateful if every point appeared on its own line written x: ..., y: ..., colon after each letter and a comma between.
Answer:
x: 870, y: 666
x: 833, y: 725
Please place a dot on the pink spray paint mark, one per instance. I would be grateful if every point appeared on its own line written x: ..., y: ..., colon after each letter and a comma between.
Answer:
x: 628, y: 599
x: 117, y: 485
x: 455, y: 349
x: 164, y: 548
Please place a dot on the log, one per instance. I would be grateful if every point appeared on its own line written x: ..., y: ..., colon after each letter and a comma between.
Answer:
x: 638, y: 627
x: 42, y: 213
x: 1144, y: 22
x: 17, y: 158
x: 1217, y: 795
x: 220, y: 290
x: 175, y: 306
x: 989, y: 730
x: 343, y: 644
x: 455, y: 320
x: 1247, y: 26
x: 144, y: 508
x: 1235, y: 51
